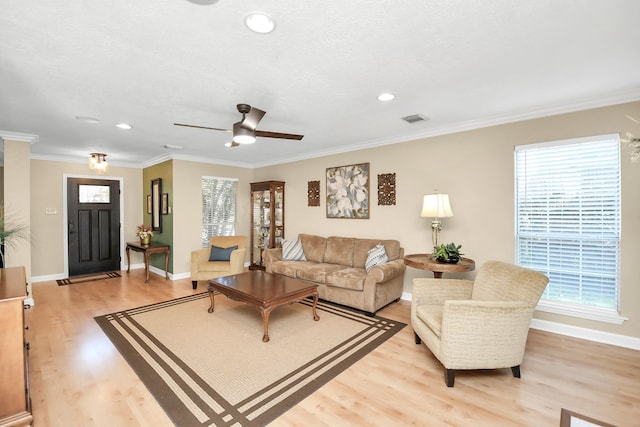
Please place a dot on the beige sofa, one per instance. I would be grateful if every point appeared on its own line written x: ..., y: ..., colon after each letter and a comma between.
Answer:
x: 337, y: 265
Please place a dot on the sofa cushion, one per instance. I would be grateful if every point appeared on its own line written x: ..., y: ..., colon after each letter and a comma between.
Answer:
x: 290, y: 268
x: 221, y: 254
x: 376, y: 256
x: 339, y: 250
x: 347, y: 278
x: 431, y: 315
x: 317, y: 272
x: 313, y: 247
x: 363, y: 246
x: 292, y: 250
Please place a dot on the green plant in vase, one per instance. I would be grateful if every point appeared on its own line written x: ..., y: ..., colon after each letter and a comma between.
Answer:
x: 10, y: 234
x: 448, y: 253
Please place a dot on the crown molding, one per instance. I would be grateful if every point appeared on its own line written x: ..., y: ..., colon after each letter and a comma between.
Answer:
x: 17, y: 136
x: 70, y: 159
x: 631, y: 95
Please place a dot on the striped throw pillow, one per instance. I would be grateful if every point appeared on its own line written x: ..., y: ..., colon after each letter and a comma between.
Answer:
x: 292, y: 250
x: 376, y: 256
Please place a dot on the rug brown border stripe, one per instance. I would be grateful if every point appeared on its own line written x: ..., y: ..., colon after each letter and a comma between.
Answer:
x: 190, y: 400
x: 89, y: 278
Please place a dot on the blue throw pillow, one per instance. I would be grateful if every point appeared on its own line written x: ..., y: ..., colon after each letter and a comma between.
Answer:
x: 221, y: 254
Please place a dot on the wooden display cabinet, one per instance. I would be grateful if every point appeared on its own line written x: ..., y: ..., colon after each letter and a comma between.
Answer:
x: 267, y: 219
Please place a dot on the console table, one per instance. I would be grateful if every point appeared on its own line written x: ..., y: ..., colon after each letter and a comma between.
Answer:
x: 152, y: 248
x: 15, y: 400
x: 426, y: 262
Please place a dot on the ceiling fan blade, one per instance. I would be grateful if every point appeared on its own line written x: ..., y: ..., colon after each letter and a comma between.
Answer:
x: 267, y: 134
x: 252, y: 119
x: 202, y: 127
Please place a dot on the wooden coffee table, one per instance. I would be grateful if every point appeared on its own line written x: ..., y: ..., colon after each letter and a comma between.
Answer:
x: 265, y: 291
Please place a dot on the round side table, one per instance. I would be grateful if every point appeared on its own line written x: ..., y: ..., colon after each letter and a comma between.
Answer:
x: 426, y: 262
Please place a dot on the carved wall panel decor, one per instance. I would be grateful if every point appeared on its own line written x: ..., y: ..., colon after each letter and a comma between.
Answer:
x: 387, y: 189
x: 313, y: 193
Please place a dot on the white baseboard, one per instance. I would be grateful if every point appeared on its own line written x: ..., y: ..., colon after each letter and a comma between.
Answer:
x: 161, y: 272
x: 35, y: 279
x: 586, y: 334
x: 576, y: 332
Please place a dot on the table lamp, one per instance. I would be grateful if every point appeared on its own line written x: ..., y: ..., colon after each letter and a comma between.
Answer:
x: 436, y: 206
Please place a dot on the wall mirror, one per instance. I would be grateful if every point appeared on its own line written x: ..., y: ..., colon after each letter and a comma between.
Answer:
x: 156, y: 217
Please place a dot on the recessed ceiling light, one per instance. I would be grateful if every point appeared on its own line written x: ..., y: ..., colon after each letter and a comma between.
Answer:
x: 87, y: 119
x: 260, y: 22
x: 204, y: 2
x: 386, y: 96
x: 123, y: 126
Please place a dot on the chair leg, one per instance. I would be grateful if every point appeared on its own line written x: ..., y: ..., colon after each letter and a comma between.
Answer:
x: 417, y: 338
x: 450, y: 376
x: 194, y: 283
x: 516, y: 371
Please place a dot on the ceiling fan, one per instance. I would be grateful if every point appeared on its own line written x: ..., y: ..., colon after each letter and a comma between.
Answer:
x: 244, y: 131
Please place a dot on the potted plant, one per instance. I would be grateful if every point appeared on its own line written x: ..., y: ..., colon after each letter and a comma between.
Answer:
x: 144, y: 233
x: 448, y: 253
x: 10, y: 234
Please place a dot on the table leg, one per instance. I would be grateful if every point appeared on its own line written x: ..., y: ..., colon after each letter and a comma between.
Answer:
x: 166, y: 265
x: 265, y: 319
x: 315, y: 302
x: 146, y: 267
x: 211, y: 293
x: 128, y: 260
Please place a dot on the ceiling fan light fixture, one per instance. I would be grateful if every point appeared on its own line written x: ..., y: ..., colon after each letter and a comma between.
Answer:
x: 242, y: 135
x: 259, y: 22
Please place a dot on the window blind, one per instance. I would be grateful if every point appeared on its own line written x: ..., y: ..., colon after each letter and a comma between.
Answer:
x: 218, y: 207
x: 568, y: 217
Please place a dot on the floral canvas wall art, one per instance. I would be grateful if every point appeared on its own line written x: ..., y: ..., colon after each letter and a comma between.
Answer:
x: 348, y: 191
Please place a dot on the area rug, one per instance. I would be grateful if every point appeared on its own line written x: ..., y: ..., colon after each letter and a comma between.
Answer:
x: 212, y: 369
x: 91, y: 278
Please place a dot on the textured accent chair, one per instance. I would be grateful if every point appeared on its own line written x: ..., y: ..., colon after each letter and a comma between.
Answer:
x: 481, y: 324
x: 203, y: 269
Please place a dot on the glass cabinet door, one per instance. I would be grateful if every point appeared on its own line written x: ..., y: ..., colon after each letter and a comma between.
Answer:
x: 267, y: 219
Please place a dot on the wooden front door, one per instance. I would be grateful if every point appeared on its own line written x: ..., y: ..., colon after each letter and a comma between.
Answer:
x: 93, y: 212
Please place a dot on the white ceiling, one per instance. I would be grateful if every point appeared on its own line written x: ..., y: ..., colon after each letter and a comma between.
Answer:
x: 463, y: 64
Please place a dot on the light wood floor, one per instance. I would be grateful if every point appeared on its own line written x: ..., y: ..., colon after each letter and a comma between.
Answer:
x: 79, y: 379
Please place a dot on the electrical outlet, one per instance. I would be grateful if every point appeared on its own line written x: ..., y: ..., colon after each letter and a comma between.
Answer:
x: 50, y: 211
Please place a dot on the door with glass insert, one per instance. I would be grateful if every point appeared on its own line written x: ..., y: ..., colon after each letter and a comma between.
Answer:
x: 93, y: 215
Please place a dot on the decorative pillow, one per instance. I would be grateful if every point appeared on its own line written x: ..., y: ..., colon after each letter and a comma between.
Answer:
x: 376, y: 256
x: 221, y: 254
x: 292, y: 250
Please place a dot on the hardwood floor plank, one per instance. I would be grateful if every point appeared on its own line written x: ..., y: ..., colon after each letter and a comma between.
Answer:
x: 78, y: 378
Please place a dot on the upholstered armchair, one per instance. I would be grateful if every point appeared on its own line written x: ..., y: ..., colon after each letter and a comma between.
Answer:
x: 481, y: 324
x: 218, y: 259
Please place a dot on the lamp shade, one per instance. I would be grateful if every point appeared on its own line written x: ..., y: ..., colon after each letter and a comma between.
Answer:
x: 436, y: 206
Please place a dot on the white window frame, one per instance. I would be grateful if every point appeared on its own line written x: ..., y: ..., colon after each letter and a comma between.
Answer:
x: 229, y: 222
x: 551, y: 305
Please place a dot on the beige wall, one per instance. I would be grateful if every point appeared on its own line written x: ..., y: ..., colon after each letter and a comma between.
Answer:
x: 47, y: 237
x: 476, y: 169
x: 17, y: 204
x: 187, y: 206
